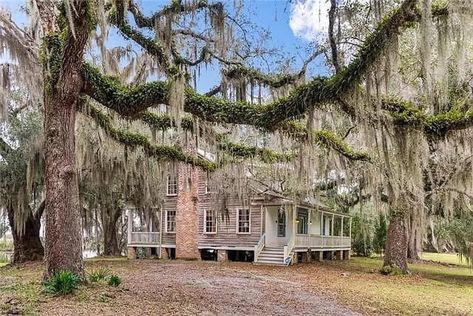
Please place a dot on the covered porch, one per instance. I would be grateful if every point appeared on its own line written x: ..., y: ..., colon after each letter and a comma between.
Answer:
x: 143, y: 231
x: 292, y: 229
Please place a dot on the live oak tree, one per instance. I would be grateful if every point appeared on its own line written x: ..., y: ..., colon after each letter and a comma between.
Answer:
x: 360, y: 90
x: 21, y: 181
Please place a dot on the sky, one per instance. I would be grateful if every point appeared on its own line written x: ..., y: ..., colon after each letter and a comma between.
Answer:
x: 294, y: 25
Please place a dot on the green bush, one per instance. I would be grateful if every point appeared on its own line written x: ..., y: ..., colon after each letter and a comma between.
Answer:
x: 98, y: 275
x: 62, y: 283
x: 114, y: 280
x: 362, y: 244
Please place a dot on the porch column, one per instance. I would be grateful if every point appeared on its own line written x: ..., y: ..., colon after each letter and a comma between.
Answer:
x: 130, y: 225
x: 333, y: 221
x: 349, y: 233
x: 341, y: 229
x: 294, y: 218
x: 322, y: 224
x: 161, y: 229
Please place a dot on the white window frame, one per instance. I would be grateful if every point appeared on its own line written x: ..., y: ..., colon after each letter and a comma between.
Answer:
x: 167, y: 185
x: 166, y: 221
x: 205, y: 222
x: 238, y: 221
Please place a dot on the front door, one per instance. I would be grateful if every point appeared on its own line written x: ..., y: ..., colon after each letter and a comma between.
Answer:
x: 277, y: 229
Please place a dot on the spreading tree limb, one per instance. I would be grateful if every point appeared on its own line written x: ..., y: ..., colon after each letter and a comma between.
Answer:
x: 128, y: 101
x: 405, y: 113
x: 136, y: 140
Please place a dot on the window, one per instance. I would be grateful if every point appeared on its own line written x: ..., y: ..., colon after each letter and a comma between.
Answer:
x: 243, y: 221
x: 172, y: 186
x: 302, y: 221
x: 170, y: 221
x: 281, y: 222
x: 210, y: 222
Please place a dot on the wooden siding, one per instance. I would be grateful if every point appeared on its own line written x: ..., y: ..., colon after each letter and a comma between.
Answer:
x: 168, y: 205
x: 227, y: 236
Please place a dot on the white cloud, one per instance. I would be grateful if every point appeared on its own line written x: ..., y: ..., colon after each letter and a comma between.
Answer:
x: 309, y: 19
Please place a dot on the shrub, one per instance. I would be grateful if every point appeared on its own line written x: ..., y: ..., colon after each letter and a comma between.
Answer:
x: 362, y: 242
x: 114, y: 280
x: 98, y: 275
x: 62, y: 283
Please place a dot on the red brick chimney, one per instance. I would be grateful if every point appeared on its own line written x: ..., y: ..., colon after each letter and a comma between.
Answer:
x: 187, y: 217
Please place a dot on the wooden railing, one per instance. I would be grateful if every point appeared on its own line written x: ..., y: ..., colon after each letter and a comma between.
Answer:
x: 151, y: 238
x: 319, y: 241
x: 288, y: 250
x: 259, y: 246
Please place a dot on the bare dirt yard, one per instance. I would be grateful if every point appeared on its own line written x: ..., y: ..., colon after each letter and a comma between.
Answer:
x: 152, y: 287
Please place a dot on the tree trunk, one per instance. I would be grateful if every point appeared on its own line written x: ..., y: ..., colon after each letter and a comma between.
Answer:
x: 63, y: 218
x: 27, y: 244
x: 62, y: 65
x: 110, y: 235
x: 396, y: 244
x: 415, y: 238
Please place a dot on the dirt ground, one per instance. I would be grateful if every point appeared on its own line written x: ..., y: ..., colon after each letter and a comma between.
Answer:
x: 189, y: 288
x: 154, y: 287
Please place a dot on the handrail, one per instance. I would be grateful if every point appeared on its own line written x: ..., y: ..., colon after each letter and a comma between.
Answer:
x: 288, y: 249
x: 259, y: 247
x: 144, y: 237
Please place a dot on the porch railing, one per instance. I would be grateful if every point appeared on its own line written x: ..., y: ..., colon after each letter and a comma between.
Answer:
x: 259, y: 246
x: 144, y: 238
x: 320, y: 241
x: 288, y: 250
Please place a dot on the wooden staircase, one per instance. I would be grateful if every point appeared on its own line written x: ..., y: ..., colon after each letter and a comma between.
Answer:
x: 271, y: 256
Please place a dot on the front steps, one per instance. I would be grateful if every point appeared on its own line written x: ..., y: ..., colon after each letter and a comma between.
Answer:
x: 271, y: 256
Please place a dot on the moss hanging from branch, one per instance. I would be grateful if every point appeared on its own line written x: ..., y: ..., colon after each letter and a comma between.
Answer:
x: 242, y: 151
x: 129, y: 101
x: 323, y: 138
x: 405, y: 113
x: 133, y: 140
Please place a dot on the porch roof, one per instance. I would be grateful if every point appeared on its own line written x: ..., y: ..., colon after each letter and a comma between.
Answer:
x: 308, y: 202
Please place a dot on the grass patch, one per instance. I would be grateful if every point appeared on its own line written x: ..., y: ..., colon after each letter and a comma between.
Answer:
x: 431, y: 289
x: 449, y: 258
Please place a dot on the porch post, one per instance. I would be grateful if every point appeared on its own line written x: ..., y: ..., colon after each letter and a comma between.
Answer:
x: 322, y: 224
x: 161, y: 223
x: 341, y: 230
x: 294, y: 217
x: 130, y: 225
x: 333, y: 221
x: 350, y: 229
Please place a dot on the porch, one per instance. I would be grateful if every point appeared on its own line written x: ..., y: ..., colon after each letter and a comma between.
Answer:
x: 292, y: 229
x: 143, y: 228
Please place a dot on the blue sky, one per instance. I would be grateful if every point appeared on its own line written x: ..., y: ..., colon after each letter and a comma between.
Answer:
x: 293, y: 26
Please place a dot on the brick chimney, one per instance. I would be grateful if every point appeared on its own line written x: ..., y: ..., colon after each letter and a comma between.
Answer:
x: 187, y: 216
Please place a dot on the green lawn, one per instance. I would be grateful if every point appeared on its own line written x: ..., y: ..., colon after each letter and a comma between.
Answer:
x: 450, y: 258
x: 431, y: 289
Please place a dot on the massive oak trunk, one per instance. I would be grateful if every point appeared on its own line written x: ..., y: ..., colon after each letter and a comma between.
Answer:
x: 63, y: 226
x: 396, y: 244
x: 27, y: 243
x: 63, y: 83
